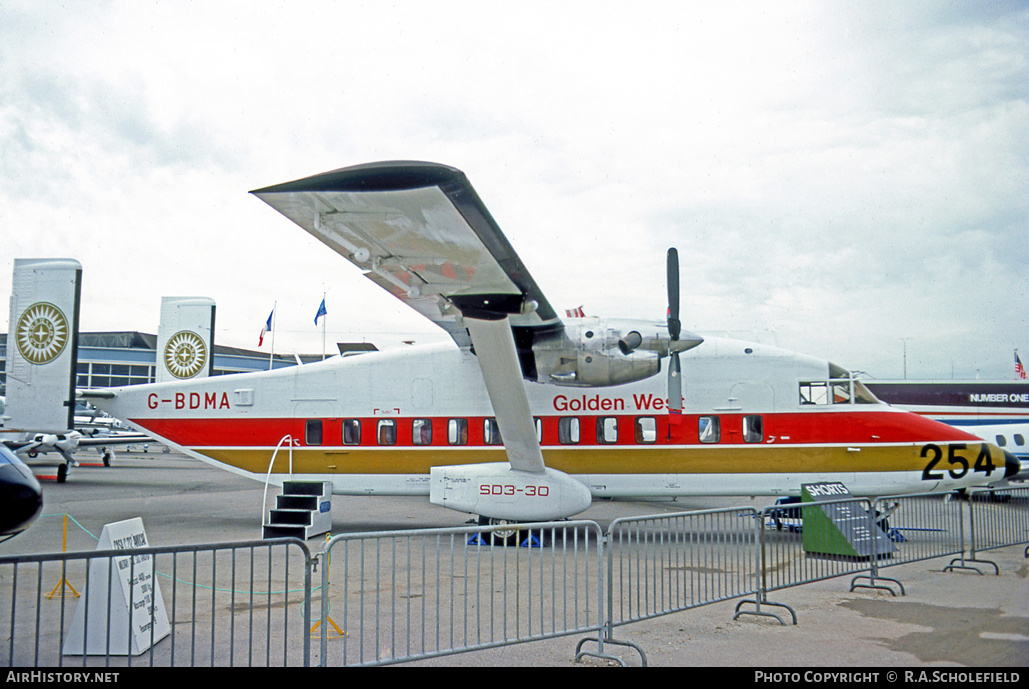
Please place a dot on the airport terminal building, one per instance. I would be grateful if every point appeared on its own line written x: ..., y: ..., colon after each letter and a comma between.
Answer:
x: 110, y: 359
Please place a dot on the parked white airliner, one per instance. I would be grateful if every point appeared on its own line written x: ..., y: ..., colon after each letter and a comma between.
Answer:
x: 528, y: 416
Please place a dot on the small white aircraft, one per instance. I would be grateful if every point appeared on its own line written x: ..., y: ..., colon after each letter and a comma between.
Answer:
x: 528, y: 416
x: 37, y: 416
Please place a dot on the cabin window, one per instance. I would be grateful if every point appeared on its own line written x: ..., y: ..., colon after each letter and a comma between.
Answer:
x: 491, y: 432
x: 313, y: 432
x: 1001, y: 441
x: 646, y: 430
x: 457, y: 431
x: 709, y: 428
x: 1019, y: 439
x: 816, y: 392
x: 387, y: 432
x: 568, y: 430
x: 607, y: 430
x: 421, y: 431
x: 753, y: 431
x: 351, y: 431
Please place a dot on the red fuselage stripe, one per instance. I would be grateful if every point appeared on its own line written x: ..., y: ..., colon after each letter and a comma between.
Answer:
x: 789, y: 428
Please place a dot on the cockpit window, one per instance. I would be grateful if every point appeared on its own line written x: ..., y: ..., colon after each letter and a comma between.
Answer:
x: 814, y: 392
x: 836, y: 371
x: 863, y: 395
x: 840, y: 391
x: 842, y: 388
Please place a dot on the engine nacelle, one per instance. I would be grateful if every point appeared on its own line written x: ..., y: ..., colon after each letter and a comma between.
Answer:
x: 592, y: 368
x: 597, y: 369
x: 593, y: 352
x: 497, y: 491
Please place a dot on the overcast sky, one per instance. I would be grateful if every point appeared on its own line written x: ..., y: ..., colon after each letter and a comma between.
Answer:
x: 840, y: 178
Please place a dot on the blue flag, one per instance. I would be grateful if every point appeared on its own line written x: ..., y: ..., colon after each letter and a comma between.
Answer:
x: 321, y: 312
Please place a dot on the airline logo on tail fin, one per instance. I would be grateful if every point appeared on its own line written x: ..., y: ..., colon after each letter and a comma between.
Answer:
x: 41, y: 358
x: 42, y: 333
x: 184, y: 338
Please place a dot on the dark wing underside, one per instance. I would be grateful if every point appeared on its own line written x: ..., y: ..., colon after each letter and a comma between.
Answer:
x: 420, y: 231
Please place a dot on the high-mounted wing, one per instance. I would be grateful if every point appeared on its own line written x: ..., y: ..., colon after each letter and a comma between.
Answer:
x: 420, y: 231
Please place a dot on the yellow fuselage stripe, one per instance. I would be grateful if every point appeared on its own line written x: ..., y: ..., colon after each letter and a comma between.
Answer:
x: 616, y: 460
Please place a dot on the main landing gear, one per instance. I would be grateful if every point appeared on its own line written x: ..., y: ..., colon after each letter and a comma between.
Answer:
x: 509, y: 535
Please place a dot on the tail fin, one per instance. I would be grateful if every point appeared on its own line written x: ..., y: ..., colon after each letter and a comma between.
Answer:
x: 42, y: 345
x: 185, y: 338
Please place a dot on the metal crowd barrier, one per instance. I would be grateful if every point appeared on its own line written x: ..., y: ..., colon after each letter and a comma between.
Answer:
x: 390, y: 597
x: 999, y: 518
x: 241, y: 604
x: 657, y: 565
x: 919, y: 527
x: 669, y: 563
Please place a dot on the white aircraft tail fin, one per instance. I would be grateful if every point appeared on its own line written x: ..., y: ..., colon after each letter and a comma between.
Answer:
x: 42, y: 345
x: 185, y: 338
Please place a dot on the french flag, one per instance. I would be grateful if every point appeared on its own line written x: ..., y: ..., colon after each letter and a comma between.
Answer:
x: 267, y: 328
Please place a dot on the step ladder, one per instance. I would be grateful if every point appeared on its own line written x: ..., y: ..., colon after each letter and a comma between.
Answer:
x: 303, y: 510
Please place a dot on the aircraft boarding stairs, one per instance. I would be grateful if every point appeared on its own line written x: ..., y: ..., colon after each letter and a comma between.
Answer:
x: 303, y: 510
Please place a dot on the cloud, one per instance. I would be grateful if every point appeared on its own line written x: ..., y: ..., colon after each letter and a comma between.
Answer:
x: 841, y: 175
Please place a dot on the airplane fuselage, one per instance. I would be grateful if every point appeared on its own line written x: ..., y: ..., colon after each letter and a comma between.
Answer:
x: 756, y: 420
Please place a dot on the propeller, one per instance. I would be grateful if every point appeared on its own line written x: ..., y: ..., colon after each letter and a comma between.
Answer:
x: 674, y: 329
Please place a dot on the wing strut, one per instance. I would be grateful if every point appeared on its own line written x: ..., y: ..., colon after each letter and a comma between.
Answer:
x: 498, y: 359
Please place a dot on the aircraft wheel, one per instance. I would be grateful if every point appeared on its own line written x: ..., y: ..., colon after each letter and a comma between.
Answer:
x: 108, y: 455
x: 62, y: 473
x: 505, y: 537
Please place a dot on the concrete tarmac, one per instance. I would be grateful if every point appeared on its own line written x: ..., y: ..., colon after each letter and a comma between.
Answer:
x: 944, y: 620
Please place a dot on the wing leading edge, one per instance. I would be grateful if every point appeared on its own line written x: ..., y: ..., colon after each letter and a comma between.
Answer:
x: 420, y: 231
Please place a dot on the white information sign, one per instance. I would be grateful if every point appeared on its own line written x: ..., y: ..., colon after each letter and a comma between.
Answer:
x: 122, y: 590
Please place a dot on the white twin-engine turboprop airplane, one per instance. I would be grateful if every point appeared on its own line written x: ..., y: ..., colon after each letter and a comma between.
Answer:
x: 530, y: 416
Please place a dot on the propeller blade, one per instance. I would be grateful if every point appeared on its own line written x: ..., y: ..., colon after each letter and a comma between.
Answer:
x: 675, y: 385
x: 674, y: 326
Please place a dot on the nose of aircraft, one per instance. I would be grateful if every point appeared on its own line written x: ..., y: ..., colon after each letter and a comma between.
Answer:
x: 21, y: 498
x: 1011, y: 465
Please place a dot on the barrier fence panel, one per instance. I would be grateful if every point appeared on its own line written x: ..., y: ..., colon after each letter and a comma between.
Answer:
x: 1000, y: 517
x: 921, y: 527
x: 663, y: 564
x: 238, y: 604
x: 388, y: 597
x: 801, y: 544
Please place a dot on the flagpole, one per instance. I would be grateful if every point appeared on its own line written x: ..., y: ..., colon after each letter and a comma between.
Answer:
x: 271, y: 356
